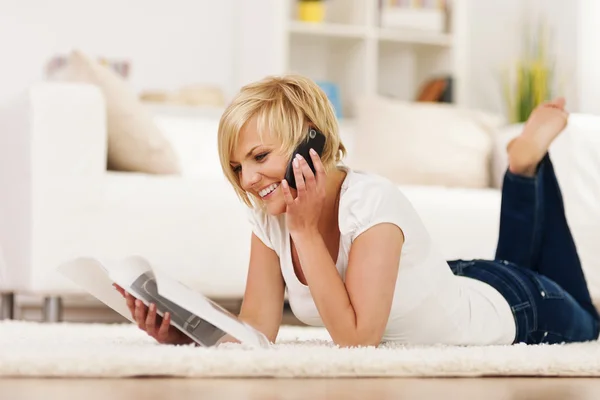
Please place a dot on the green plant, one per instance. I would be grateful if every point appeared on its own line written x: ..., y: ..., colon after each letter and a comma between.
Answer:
x: 531, y: 81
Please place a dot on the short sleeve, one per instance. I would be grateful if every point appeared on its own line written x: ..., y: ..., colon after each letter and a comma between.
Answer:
x: 371, y: 202
x: 259, y: 222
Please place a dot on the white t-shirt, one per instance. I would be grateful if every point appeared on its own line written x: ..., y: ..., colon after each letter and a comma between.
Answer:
x: 431, y: 305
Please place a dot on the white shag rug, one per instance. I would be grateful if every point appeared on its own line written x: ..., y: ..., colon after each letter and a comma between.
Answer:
x: 30, y: 349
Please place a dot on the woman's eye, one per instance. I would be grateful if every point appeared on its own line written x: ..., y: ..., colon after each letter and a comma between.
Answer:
x: 261, y: 156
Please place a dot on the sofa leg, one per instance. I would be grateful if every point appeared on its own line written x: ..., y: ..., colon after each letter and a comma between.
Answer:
x: 7, y: 306
x: 53, y: 309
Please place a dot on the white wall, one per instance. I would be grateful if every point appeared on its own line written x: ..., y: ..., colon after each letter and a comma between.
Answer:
x: 495, y: 36
x: 232, y: 42
x: 490, y: 40
x: 564, y: 17
x: 588, y: 57
x: 260, y: 46
x: 169, y: 43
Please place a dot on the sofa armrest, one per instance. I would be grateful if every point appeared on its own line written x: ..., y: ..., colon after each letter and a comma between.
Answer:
x: 584, y: 159
x: 582, y: 195
x: 53, y: 146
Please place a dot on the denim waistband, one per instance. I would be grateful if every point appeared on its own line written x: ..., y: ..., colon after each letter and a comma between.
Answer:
x: 542, y: 310
x: 511, y: 284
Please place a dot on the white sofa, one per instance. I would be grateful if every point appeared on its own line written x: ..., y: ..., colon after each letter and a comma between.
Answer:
x: 58, y: 201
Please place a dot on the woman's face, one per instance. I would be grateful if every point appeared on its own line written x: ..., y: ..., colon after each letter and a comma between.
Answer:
x: 261, y: 167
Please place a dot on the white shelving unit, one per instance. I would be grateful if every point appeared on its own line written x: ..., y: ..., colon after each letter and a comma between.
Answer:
x: 351, y: 50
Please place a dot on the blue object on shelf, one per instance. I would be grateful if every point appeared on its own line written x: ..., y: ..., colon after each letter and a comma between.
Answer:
x: 333, y: 94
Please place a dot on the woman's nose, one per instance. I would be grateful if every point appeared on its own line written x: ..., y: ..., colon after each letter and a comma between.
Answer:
x: 249, y: 178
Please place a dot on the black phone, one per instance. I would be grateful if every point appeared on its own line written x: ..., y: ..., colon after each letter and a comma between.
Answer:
x: 314, y: 140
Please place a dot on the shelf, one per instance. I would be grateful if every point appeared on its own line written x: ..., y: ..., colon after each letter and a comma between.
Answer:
x: 338, y: 61
x: 363, y: 58
x: 332, y: 30
x: 328, y: 30
x: 414, y: 37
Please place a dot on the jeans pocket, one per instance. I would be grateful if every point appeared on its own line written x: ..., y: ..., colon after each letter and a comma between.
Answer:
x: 551, y: 338
x: 548, y: 288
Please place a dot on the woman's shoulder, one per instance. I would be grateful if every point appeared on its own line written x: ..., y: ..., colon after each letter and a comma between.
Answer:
x: 265, y: 226
x: 363, y: 187
x: 367, y: 199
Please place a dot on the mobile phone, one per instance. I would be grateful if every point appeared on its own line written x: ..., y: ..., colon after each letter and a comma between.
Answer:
x: 314, y: 140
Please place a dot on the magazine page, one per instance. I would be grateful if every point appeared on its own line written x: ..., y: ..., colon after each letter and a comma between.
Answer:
x: 92, y: 276
x: 207, y: 320
x: 135, y: 275
x: 127, y: 270
x: 203, y: 320
x: 138, y: 276
x: 199, y: 330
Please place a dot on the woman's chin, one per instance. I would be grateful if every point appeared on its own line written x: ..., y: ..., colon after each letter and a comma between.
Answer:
x: 275, y: 206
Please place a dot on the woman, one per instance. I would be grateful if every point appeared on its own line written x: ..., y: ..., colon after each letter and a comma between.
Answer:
x: 355, y: 257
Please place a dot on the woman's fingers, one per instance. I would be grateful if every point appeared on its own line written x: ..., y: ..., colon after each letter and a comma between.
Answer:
x: 163, y: 331
x: 308, y: 174
x: 319, y: 168
x: 130, y: 304
x: 300, y: 185
x: 147, y: 318
x: 287, y: 194
x: 140, y: 314
x: 119, y: 289
x: 151, y: 320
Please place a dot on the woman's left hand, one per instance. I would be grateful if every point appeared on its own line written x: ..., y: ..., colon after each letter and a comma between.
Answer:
x: 303, y: 212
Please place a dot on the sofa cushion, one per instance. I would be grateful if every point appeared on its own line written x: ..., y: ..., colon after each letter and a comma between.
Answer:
x: 134, y: 141
x: 463, y: 223
x: 423, y: 143
x: 194, y: 139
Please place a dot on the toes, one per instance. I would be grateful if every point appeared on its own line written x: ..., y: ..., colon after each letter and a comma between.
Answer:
x: 561, y: 102
x: 558, y: 102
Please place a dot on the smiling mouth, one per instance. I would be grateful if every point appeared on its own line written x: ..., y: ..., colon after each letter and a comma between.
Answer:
x: 268, y: 190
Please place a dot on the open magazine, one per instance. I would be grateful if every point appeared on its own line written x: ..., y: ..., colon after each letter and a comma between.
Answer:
x: 200, y: 318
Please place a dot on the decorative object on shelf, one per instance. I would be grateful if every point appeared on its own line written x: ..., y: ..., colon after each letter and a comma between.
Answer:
x: 530, y: 81
x: 351, y: 49
x: 311, y: 10
x: 438, y: 90
x: 333, y: 94
x: 423, y: 15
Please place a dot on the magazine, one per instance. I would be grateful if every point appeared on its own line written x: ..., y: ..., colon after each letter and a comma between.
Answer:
x: 200, y: 318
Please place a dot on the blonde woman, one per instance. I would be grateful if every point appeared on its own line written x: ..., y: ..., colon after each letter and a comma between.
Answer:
x: 354, y: 256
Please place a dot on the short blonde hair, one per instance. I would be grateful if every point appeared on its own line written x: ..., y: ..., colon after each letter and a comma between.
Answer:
x: 285, y: 107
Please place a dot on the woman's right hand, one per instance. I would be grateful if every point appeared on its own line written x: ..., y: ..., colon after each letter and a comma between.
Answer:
x: 150, y: 322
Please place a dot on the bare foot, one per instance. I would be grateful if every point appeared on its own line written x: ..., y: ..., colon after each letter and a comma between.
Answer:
x: 542, y: 127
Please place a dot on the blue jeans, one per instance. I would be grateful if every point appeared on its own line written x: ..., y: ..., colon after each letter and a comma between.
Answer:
x: 537, y: 268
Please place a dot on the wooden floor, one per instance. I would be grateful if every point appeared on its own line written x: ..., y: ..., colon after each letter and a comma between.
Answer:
x: 313, y: 389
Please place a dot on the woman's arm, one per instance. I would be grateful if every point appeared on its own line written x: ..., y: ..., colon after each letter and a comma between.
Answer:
x: 354, y: 313
x: 262, y: 306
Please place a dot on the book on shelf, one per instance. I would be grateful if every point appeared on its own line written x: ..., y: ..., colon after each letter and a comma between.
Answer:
x: 422, y: 15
